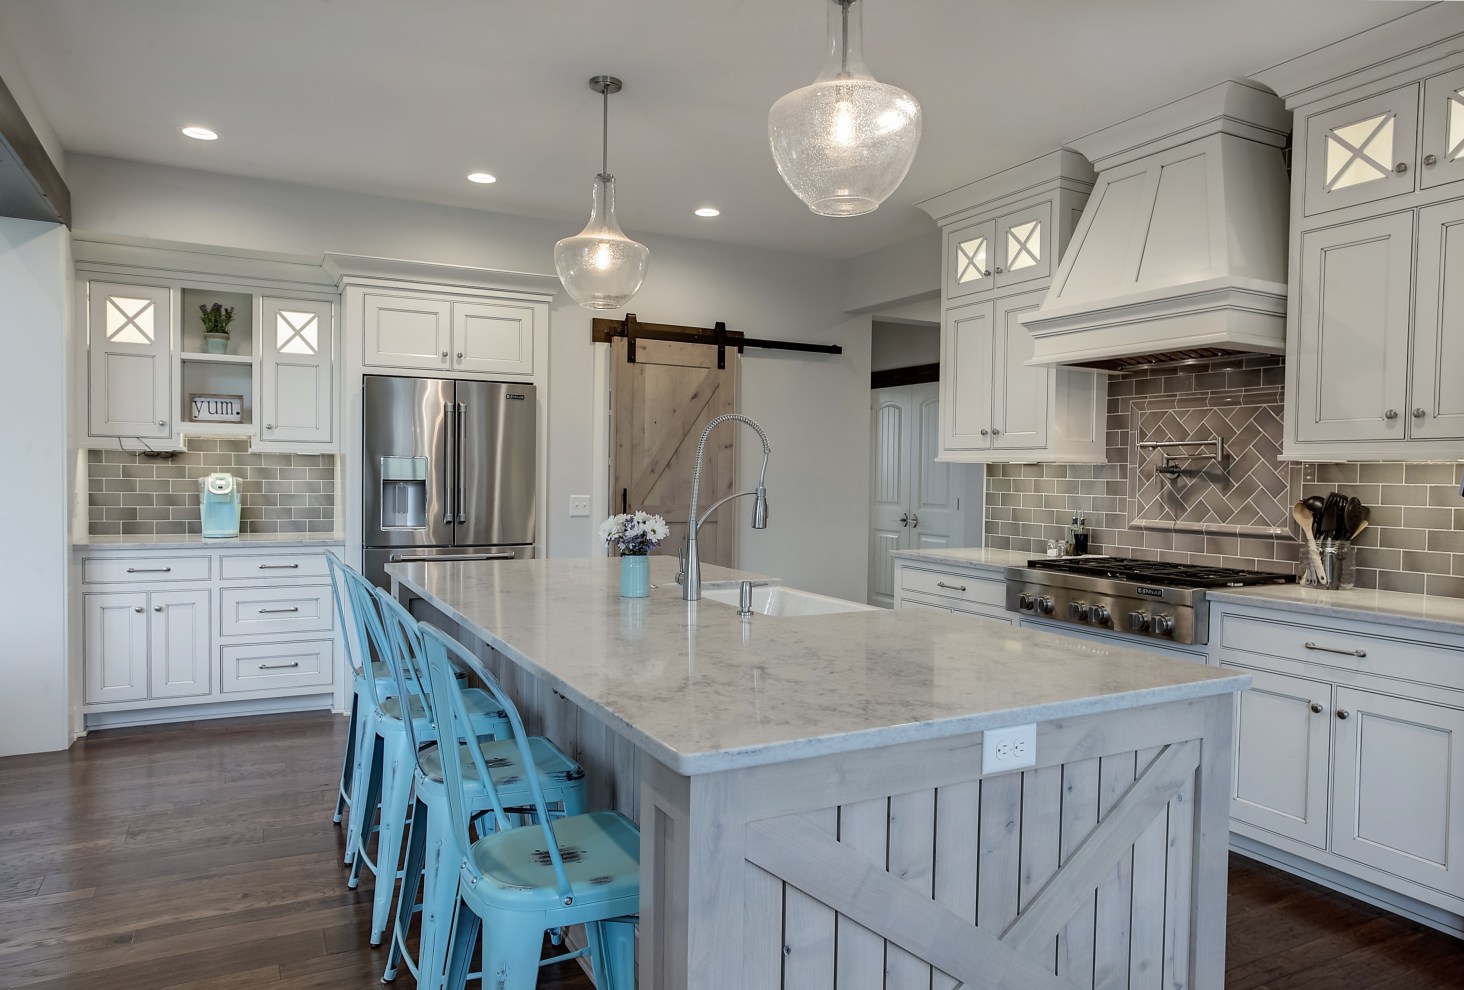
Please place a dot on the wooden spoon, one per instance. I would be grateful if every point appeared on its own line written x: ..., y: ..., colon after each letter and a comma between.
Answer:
x: 1303, y: 519
x: 1358, y: 531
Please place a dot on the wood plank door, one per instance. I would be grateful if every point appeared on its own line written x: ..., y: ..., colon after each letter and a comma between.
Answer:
x: 659, y: 407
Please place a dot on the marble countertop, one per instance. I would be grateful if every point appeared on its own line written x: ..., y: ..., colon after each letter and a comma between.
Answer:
x: 196, y: 542
x: 702, y: 691
x: 969, y: 557
x: 1419, y: 613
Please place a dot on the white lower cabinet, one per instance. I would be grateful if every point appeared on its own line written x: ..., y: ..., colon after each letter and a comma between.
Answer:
x: 151, y: 637
x: 1349, y: 749
x: 974, y: 591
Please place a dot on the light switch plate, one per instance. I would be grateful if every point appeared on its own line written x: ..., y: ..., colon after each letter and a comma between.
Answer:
x: 1012, y: 748
x: 579, y: 505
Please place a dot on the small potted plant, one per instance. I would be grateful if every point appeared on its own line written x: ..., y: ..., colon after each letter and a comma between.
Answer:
x: 216, y: 320
x: 635, y: 535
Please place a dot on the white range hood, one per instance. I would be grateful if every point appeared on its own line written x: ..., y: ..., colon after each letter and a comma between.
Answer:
x: 1181, y: 250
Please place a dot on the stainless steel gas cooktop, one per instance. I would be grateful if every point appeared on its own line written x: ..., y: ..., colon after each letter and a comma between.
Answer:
x: 1148, y: 598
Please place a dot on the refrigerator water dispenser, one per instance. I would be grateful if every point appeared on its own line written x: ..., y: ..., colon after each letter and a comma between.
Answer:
x: 403, y: 492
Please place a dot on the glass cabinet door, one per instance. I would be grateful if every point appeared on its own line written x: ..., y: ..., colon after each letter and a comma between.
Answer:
x: 1362, y: 152
x: 1443, y: 130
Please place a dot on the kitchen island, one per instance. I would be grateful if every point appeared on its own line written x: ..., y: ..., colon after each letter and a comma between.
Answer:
x: 811, y: 794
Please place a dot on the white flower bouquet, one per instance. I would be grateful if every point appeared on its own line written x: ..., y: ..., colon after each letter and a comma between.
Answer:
x: 634, y: 534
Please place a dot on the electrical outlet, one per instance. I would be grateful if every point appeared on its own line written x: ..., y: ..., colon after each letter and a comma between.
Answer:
x: 579, y: 505
x: 1009, y: 749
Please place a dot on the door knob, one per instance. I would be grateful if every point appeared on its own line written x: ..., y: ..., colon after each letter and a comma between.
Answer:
x: 905, y: 519
x: 914, y: 520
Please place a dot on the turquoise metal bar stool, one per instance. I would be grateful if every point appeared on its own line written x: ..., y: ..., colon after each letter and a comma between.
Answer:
x: 386, y: 759
x: 517, y: 883
x: 430, y: 869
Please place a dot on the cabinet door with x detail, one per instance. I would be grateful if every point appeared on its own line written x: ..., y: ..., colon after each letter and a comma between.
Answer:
x: 1024, y: 245
x: 295, y: 372
x: 129, y: 360
x: 1362, y: 152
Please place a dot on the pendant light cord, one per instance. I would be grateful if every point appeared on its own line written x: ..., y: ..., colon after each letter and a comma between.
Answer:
x: 605, y: 135
x: 844, y: 48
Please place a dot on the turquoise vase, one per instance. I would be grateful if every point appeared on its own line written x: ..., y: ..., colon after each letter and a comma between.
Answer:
x: 635, y: 577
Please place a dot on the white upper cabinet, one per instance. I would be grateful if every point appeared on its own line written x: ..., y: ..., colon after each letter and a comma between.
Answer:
x: 493, y: 338
x: 1361, y: 152
x: 1375, y: 316
x: 1443, y: 129
x: 404, y: 331
x: 430, y: 332
x: 295, y: 372
x: 129, y: 363
x: 1002, y: 237
x: 1351, y: 378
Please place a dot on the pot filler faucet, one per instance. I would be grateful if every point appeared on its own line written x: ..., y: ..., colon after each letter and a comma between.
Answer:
x: 690, y: 576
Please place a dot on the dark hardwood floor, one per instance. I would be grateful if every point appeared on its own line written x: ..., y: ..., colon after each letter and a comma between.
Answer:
x: 201, y: 857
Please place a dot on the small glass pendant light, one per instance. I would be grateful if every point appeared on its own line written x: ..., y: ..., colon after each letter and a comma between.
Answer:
x: 600, y: 267
x: 844, y: 143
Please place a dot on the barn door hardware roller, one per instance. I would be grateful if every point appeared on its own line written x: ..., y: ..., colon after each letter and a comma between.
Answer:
x: 604, y: 331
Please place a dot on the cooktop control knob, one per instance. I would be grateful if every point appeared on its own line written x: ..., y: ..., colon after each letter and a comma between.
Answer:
x: 1139, y: 621
x: 1078, y: 611
x: 1026, y: 602
x: 1164, y: 624
x: 1044, y: 605
x: 1100, y: 614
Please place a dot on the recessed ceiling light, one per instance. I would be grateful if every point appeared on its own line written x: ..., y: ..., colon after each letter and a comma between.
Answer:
x: 482, y: 177
x: 200, y: 134
x: 708, y: 211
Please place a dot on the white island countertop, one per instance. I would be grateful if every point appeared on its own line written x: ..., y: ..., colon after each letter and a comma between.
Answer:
x: 984, y: 557
x: 702, y: 691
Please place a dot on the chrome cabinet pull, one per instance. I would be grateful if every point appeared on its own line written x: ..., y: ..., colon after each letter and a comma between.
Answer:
x: 270, y: 611
x: 1418, y: 413
x: 279, y: 666
x: 157, y: 608
x: 460, y: 355
x: 1343, y: 713
x: 1333, y: 649
x: 1391, y: 414
x: 271, y: 567
x: 1430, y: 160
x: 1401, y: 167
x: 444, y: 355
x: 950, y: 587
x: 162, y: 422
x: 137, y: 608
x: 1316, y: 708
x: 985, y: 432
x: 148, y: 570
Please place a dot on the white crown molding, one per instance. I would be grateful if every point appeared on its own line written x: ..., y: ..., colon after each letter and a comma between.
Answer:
x: 354, y: 268
x: 139, y: 256
x: 1061, y: 169
x: 1408, y: 42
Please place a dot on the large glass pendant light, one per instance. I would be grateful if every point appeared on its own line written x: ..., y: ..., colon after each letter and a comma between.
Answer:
x: 845, y: 142
x: 601, y: 267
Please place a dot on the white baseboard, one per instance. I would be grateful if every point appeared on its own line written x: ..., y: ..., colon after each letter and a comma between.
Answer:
x: 223, y: 709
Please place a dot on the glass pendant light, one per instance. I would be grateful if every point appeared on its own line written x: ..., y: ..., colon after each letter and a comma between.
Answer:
x: 845, y: 142
x: 601, y: 267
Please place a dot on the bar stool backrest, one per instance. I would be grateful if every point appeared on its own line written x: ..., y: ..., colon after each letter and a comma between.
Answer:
x: 403, y: 647
x: 344, y: 581
x: 442, y: 652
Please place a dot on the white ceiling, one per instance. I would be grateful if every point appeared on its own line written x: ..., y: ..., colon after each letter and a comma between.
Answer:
x: 404, y: 97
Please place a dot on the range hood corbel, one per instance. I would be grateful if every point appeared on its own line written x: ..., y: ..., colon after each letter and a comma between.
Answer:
x: 1181, y: 250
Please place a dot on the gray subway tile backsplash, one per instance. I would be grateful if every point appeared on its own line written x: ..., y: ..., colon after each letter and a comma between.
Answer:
x: 133, y: 495
x: 1414, y: 541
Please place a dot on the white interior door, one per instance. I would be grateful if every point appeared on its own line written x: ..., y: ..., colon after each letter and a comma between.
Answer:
x: 915, y: 500
x: 890, y: 494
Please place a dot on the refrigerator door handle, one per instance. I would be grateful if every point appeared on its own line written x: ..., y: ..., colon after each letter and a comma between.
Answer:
x: 451, y: 459
x: 462, y: 501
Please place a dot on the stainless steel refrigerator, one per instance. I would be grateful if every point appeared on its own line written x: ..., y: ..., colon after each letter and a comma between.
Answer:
x: 448, y: 472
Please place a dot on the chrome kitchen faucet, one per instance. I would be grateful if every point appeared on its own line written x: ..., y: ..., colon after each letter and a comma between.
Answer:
x: 690, y: 576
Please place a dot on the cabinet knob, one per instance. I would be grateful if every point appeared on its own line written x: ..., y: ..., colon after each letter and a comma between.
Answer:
x: 1430, y: 160
x: 1391, y: 414
x: 1401, y: 167
x: 460, y: 355
x: 1343, y: 713
x: 1316, y: 707
x: 986, y: 274
x: 1418, y: 414
x: 444, y: 355
x: 985, y: 432
x: 995, y: 432
x: 137, y: 608
x: 157, y: 608
x: 162, y: 422
x: 998, y: 271
x: 269, y: 426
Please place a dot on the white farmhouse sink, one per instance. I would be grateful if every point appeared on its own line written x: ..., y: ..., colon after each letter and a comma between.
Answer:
x: 777, y: 600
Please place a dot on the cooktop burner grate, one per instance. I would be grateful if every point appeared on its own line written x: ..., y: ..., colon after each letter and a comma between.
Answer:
x: 1158, y: 572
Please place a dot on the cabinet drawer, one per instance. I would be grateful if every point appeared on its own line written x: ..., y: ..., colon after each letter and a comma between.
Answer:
x: 290, y: 609
x: 235, y: 567
x: 963, y: 587
x: 1339, y: 649
x: 274, y: 666
x: 151, y: 570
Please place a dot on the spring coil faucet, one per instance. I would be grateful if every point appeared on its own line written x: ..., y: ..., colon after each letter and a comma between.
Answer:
x: 690, y: 576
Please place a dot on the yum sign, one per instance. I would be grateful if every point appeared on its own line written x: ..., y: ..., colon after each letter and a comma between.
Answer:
x: 217, y: 408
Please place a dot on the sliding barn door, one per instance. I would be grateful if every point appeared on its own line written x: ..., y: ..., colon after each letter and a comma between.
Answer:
x: 659, y: 407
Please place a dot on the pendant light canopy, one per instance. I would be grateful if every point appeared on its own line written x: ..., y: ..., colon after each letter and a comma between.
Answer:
x: 600, y: 267
x: 845, y: 142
